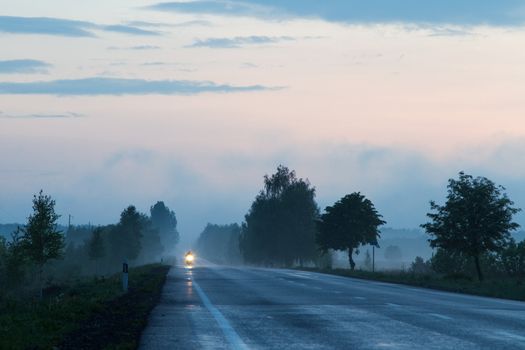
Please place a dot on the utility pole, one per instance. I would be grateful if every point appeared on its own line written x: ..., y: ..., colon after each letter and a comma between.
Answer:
x: 373, y: 258
x: 69, y: 222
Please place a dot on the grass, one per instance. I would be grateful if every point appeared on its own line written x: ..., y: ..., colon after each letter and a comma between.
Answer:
x: 503, y: 287
x: 89, y: 314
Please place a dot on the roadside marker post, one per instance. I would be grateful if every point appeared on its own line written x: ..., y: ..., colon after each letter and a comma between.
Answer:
x: 125, y: 276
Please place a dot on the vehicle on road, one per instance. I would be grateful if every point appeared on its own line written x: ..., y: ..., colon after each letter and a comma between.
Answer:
x: 189, y: 259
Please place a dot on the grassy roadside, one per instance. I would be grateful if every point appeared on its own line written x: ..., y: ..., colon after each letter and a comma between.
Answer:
x: 92, y: 314
x: 505, y: 288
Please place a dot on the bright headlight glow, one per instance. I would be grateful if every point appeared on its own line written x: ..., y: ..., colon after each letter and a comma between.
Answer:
x: 190, y: 258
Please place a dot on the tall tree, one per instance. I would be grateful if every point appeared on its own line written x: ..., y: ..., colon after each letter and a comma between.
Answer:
x: 351, y: 222
x: 164, y: 220
x: 219, y: 243
x: 280, y: 225
x: 42, y: 241
x: 96, y: 248
x: 152, y: 246
x: 476, y: 218
x: 125, y: 237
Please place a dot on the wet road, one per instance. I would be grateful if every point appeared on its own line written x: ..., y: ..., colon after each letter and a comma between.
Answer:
x: 247, y: 308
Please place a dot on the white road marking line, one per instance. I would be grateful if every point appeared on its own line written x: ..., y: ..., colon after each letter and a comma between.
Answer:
x: 393, y: 305
x: 231, y: 336
x: 443, y: 317
x: 359, y: 298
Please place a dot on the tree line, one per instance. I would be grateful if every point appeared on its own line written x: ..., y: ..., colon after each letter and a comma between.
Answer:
x: 220, y: 244
x: 37, y: 254
x: 470, y: 233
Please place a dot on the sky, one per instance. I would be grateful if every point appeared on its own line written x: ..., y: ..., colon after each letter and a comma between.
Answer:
x: 109, y: 103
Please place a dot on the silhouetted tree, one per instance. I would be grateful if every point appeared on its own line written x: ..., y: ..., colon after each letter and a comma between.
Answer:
x: 152, y: 247
x: 219, y: 243
x: 420, y: 266
x: 125, y: 237
x: 96, y: 248
x: 393, y: 252
x: 165, y: 221
x: 351, y: 222
x: 512, y: 259
x: 280, y: 225
x: 41, y: 239
x: 449, y: 262
x: 476, y: 218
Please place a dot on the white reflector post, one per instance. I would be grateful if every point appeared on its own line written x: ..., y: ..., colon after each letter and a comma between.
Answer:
x: 125, y: 276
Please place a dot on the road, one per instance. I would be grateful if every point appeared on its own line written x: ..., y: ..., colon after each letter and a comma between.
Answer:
x: 213, y: 307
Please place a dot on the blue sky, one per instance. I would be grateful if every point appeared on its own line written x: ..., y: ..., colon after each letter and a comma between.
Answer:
x: 110, y: 103
x: 458, y: 12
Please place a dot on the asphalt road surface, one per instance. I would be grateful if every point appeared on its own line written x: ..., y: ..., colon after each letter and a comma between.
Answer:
x: 213, y: 307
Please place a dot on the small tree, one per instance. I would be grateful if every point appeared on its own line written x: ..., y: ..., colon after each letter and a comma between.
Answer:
x: 15, y: 259
x: 393, y: 252
x: 512, y: 259
x: 41, y: 240
x: 96, y: 248
x: 420, y: 266
x: 476, y: 218
x: 351, y: 222
x: 125, y: 237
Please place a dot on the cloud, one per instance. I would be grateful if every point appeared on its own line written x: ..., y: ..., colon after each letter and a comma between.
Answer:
x: 63, y: 27
x: 67, y: 115
x: 239, y: 41
x: 161, y: 24
x: 137, y: 47
x: 23, y: 66
x: 194, y: 23
x: 436, y: 32
x: 119, y: 28
x: 220, y: 7
x: 115, y: 86
x: 458, y: 12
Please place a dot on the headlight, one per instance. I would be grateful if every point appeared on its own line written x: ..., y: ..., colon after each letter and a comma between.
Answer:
x: 189, y: 258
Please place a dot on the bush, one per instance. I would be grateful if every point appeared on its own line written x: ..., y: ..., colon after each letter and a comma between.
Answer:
x: 512, y: 259
x: 420, y: 266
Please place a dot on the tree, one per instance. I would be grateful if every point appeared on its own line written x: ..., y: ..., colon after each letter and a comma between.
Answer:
x: 420, y: 266
x: 125, y: 237
x: 15, y: 259
x: 152, y: 247
x: 280, y: 225
x: 96, y: 248
x: 165, y: 221
x: 476, y: 219
x: 351, y: 222
x: 512, y: 259
x: 450, y: 262
x: 219, y: 243
x: 393, y: 252
x: 41, y: 239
